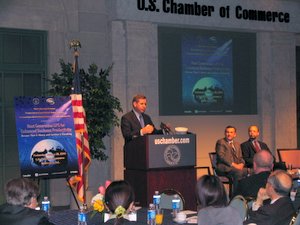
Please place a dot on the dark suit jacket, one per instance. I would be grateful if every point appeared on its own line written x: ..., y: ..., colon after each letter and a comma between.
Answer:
x: 225, y: 156
x: 131, y: 126
x: 278, y: 213
x: 19, y: 215
x: 248, y: 151
x: 249, y: 186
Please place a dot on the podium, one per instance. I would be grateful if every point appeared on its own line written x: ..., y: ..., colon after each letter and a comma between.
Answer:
x: 157, y: 162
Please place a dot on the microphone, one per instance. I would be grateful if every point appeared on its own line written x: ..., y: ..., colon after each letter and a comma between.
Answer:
x: 165, y: 128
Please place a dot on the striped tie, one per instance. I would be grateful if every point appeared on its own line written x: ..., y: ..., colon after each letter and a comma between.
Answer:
x: 233, y: 151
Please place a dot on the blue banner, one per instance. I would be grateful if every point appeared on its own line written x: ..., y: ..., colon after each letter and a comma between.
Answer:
x: 46, y: 136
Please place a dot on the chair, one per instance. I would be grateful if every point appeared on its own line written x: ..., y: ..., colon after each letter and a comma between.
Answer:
x: 201, y: 170
x: 295, y: 220
x: 166, y: 199
x: 290, y: 157
x: 249, y: 201
x: 224, y: 179
x: 240, y: 204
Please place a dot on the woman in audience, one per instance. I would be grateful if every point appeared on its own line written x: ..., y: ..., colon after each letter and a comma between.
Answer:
x: 213, y: 203
x: 21, y: 201
x: 119, y: 200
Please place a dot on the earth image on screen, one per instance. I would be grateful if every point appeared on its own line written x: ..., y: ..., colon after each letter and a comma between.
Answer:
x: 208, y: 91
x: 48, y: 153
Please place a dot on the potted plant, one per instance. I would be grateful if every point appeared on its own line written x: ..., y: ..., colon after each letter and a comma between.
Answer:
x: 99, y: 104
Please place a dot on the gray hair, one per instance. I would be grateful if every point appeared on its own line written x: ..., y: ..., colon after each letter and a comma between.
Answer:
x: 264, y: 159
x: 19, y: 191
x: 281, y: 182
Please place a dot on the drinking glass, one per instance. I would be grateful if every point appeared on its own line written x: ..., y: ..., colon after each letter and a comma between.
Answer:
x: 159, y: 217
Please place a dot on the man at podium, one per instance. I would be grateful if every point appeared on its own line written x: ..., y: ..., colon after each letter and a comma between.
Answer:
x: 136, y: 123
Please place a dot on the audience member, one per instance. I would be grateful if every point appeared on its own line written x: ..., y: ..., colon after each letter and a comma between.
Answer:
x: 253, y: 145
x: 229, y: 157
x: 21, y: 201
x: 136, y: 123
x: 213, y: 203
x: 119, y: 200
x: 262, y: 167
x: 273, y: 205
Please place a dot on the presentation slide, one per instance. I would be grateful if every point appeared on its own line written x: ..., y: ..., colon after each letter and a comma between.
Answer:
x: 206, y: 72
x: 207, y: 83
x: 46, y: 136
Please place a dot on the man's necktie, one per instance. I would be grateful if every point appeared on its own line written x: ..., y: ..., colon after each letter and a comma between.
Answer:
x: 256, y: 145
x: 233, y: 150
x: 142, y: 121
x: 232, y: 146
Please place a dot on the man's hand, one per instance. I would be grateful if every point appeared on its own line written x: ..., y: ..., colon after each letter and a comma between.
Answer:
x: 238, y: 166
x: 261, y: 196
x: 148, y: 129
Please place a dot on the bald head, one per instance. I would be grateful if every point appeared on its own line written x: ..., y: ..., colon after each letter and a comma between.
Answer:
x: 263, y: 161
x: 281, y: 182
x: 254, y: 127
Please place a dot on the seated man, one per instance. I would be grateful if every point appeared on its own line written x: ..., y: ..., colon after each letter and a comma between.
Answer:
x: 21, y: 201
x: 229, y: 157
x: 273, y: 205
x: 262, y: 166
x: 253, y: 145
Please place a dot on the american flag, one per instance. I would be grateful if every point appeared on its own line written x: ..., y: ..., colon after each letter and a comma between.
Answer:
x: 83, y: 150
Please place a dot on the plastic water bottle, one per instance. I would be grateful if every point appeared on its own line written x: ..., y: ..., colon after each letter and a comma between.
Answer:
x: 156, y: 200
x: 175, y: 205
x: 82, y: 216
x: 46, y: 205
x: 151, y: 215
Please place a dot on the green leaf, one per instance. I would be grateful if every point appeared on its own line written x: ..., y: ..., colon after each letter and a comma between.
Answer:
x: 99, y: 104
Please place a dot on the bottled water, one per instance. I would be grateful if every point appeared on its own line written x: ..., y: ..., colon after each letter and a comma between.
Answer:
x: 156, y: 200
x: 151, y: 215
x: 82, y: 216
x: 46, y: 205
x: 175, y: 205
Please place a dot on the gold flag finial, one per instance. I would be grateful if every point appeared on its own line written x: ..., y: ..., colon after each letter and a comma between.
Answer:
x: 75, y: 44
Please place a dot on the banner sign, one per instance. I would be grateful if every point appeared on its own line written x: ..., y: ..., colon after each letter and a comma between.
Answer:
x: 46, y: 136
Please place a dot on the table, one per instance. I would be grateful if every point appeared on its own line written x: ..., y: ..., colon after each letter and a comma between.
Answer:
x: 69, y: 217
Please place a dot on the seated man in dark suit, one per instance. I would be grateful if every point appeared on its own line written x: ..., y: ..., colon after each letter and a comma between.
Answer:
x: 251, y: 146
x: 136, y: 123
x: 21, y: 201
x: 229, y: 157
x: 262, y: 166
x: 273, y: 205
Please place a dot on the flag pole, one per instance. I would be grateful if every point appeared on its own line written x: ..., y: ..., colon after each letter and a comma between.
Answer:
x: 75, y: 44
x: 83, y: 169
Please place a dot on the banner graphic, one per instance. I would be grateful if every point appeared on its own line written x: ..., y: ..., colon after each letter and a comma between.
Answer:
x: 46, y: 136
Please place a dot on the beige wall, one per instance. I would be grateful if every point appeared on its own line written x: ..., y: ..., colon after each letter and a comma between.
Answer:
x: 134, y: 38
x: 114, y: 31
x: 137, y: 72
